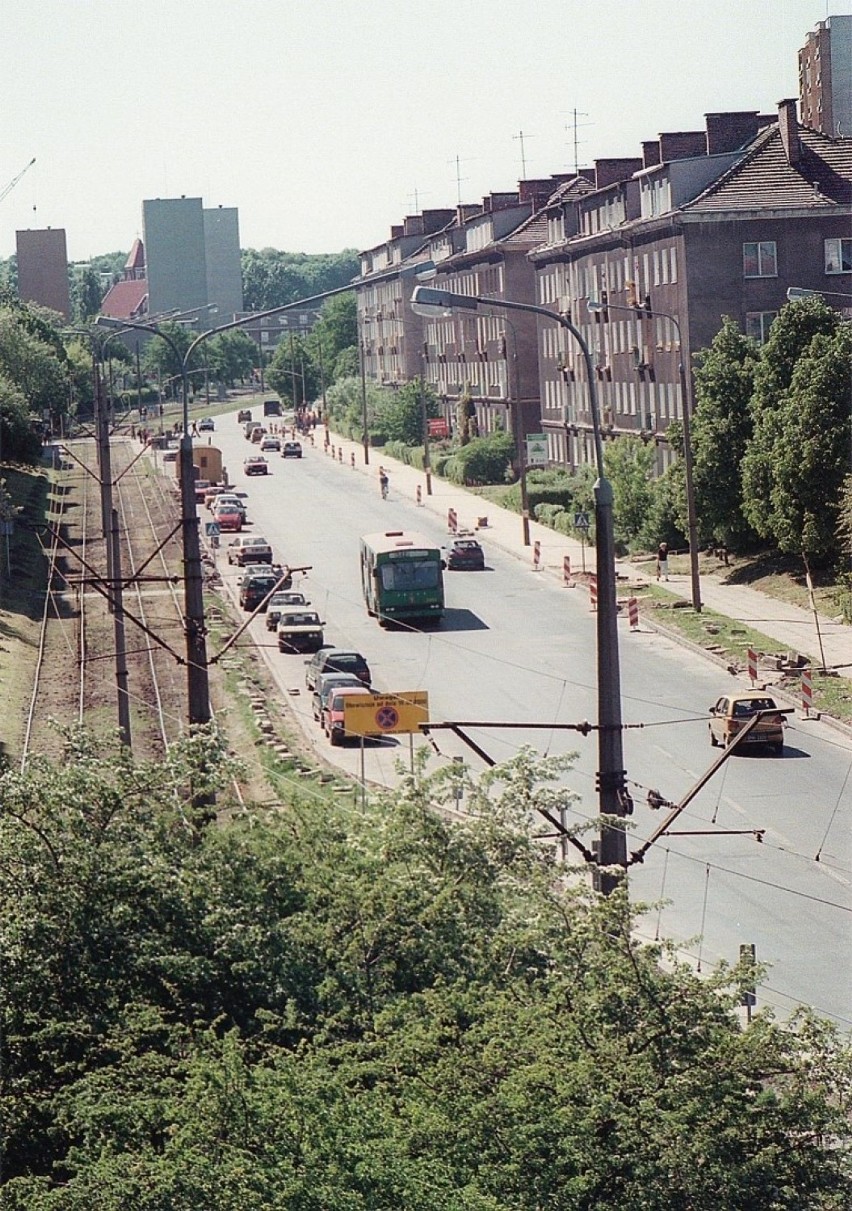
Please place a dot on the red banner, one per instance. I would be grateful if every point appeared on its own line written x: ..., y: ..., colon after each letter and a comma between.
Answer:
x: 438, y: 427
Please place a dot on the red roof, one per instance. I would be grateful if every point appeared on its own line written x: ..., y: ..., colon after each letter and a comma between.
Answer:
x: 136, y: 257
x: 126, y: 300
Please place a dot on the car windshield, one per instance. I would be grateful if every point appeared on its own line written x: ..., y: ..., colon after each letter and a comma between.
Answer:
x: 300, y: 620
x: 337, y: 698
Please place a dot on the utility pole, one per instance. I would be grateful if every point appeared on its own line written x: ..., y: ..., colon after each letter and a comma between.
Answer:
x: 424, y: 419
x: 117, y: 599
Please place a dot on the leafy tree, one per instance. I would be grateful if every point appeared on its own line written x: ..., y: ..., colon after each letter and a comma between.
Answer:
x: 33, y: 358
x: 293, y: 372
x: 19, y: 441
x: 630, y: 466
x: 86, y: 293
x: 721, y: 429
x: 230, y: 356
x: 345, y: 406
x: 159, y: 358
x: 272, y: 278
x: 346, y: 365
x: 81, y: 374
x: 786, y: 486
x: 399, y: 414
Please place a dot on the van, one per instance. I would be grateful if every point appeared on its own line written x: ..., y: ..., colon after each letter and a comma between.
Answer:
x: 272, y: 407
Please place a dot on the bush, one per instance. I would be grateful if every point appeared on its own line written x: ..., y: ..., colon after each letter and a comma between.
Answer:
x: 482, y: 461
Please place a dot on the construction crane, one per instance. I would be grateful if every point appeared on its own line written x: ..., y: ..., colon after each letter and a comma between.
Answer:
x: 14, y: 180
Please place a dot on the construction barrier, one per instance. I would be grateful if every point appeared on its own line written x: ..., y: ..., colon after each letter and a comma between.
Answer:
x: 593, y: 592
x: 418, y: 495
x: 536, y: 556
x: 352, y: 460
x: 633, y: 612
x: 333, y: 448
x: 452, y: 520
x: 807, y: 692
x: 752, y: 665
x: 340, y: 454
x: 566, y: 572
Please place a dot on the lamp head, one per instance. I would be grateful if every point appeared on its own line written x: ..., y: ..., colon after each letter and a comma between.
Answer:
x: 428, y: 301
x: 799, y: 292
x: 595, y: 305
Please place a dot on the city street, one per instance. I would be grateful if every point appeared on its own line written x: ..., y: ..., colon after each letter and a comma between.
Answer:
x: 516, y: 646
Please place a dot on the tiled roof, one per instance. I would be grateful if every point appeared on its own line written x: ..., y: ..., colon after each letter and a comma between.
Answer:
x: 765, y: 177
x: 125, y: 299
x: 529, y: 234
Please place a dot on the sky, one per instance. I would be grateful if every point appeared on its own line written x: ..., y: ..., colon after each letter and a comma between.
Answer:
x: 326, y: 122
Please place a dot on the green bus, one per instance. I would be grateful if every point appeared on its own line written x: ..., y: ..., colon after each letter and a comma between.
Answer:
x: 402, y: 575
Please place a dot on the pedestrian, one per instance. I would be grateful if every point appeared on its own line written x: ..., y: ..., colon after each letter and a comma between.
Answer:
x: 194, y: 430
x: 663, y: 561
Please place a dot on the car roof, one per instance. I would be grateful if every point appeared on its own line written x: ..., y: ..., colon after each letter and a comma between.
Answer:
x: 337, y: 652
x: 348, y: 691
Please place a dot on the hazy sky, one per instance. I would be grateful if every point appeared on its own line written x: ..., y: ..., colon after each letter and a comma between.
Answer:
x: 327, y: 121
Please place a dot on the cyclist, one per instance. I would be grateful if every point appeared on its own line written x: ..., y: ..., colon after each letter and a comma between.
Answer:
x: 383, y: 482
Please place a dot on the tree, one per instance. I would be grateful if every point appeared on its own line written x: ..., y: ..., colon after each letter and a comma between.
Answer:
x: 272, y: 278
x: 334, y: 338
x: 86, y: 294
x: 784, y: 489
x: 630, y: 466
x: 230, y: 356
x: 293, y: 372
x: 721, y: 428
x: 399, y: 413
x: 159, y: 358
x: 33, y: 358
x: 19, y: 441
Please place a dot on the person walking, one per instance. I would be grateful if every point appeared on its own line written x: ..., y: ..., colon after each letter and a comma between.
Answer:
x: 663, y: 561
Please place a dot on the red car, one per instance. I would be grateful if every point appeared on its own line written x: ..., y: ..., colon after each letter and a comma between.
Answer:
x: 229, y: 517
x: 256, y: 466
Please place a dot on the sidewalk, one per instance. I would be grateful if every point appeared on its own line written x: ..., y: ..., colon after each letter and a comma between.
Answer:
x: 792, y: 627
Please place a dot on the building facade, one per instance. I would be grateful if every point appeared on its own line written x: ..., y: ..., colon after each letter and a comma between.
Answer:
x: 43, y: 268
x: 192, y: 257
x: 825, y: 78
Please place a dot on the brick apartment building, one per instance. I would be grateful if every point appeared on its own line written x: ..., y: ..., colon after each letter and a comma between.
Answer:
x: 43, y: 268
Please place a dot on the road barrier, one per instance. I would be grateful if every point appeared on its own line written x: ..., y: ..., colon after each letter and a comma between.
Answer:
x: 593, y: 592
x: 752, y: 665
x: 633, y: 612
x: 333, y: 448
x: 418, y: 495
x: 340, y: 454
x: 566, y: 572
x: 807, y: 692
x: 352, y: 460
x: 452, y: 520
x: 536, y: 556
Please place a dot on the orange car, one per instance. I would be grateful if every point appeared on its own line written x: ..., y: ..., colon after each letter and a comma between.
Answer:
x: 732, y: 712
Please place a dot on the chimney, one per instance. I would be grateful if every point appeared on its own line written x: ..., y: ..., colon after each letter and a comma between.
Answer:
x: 730, y: 131
x: 608, y: 172
x: 413, y: 224
x: 651, y: 153
x: 789, y: 128
x: 682, y: 145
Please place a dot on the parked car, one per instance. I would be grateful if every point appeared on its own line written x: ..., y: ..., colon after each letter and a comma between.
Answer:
x: 326, y: 682
x: 300, y: 631
x: 341, y: 660
x: 732, y: 712
x: 291, y: 450
x: 285, y: 579
x: 282, y: 601
x: 229, y: 517
x: 334, y: 712
x: 270, y: 443
x: 206, y: 425
x: 256, y: 465
x: 170, y: 453
x: 249, y: 548
x: 201, y: 487
x: 254, y: 588
x: 243, y: 415
x: 465, y: 554
x: 212, y: 492
x: 228, y: 498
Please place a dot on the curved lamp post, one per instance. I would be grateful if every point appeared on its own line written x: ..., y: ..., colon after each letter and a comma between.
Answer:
x: 599, y: 308
x: 612, y: 851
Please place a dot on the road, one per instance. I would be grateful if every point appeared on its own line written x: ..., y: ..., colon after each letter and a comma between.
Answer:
x: 516, y: 646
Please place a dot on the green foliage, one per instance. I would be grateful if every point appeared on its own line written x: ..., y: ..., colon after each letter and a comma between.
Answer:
x: 230, y: 356
x: 801, y: 409
x: 272, y: 278
x: 86, y: 293
x: 399, y: 413
x: 630, y: 466
x: 19, y: 441
x: 552, y: 486
x: 484, y: 460
x: 369, y: 1008
x: 721, y: 430
x: 334, y: 339
x: 294, y: 373
x: 160, y: 359
x: 32, y: 358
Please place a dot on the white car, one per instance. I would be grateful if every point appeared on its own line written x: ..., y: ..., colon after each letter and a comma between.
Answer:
x: 270, y: 442
x: 228, y: 498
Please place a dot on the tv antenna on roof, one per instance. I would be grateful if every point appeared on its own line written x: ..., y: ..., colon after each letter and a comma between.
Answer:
x: 575, y: 126
x: 520, y: 136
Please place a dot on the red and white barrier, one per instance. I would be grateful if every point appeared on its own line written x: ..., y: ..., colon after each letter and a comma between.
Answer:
x: 633, y: 612
x: 340, y: 454
x: 452, y: 520
x: 418, y: 495
x: 536, y: 556
x: 566, y: 572
x: 807, y: 692
x: 752, y: 665
x: 593, y: 592
x: 352, y: 460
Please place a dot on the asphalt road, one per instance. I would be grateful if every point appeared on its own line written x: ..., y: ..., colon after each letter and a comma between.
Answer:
x: 515, y: 646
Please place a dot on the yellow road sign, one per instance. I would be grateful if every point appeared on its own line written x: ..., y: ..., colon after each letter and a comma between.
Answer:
x: 385, y: 714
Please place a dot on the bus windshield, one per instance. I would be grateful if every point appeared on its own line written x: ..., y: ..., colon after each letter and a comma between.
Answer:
x: 407, y: 574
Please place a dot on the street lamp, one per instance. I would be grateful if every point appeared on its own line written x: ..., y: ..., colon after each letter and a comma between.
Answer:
x: 613, y: 800
x: 801, y: 292
x: 597, y: 307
